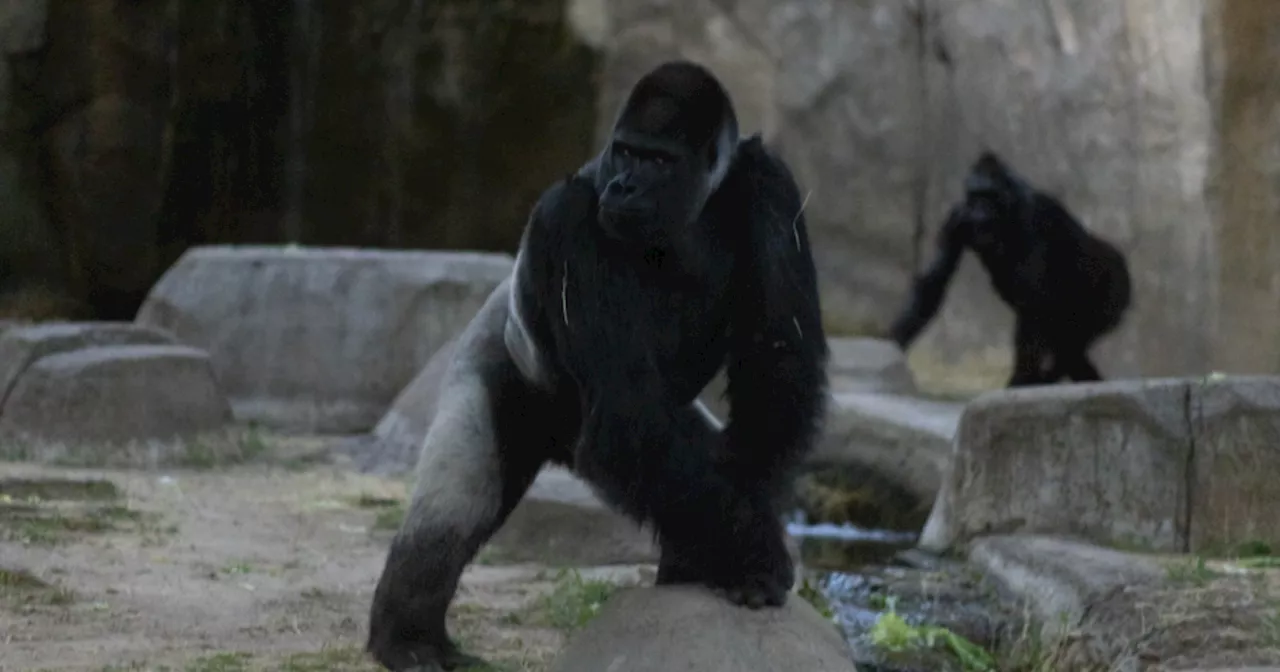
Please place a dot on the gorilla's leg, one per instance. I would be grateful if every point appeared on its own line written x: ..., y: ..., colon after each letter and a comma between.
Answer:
x: 1077, y: 366
x: 1029, y: 356
x: 491, y: 434
x: 713, y: 529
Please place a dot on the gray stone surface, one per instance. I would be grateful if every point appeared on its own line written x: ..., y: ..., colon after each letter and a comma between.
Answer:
x: 905, y: 439
x: 868, y: 365
x: 669, y: 629
x: 319, y: 339
x: 1235, y: 443
x: 1167, y: 465
x: 21, y: 345
x: 1059, y: 578
x: 115, y: 393
x: 881, y: 151
x: 562, y: 522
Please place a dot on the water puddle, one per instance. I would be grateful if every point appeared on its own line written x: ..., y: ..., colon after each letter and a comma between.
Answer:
x: 863, y: 575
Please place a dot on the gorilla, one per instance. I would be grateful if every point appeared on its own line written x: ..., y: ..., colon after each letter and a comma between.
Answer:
x: 678, y: 249
x: 1066, y: 286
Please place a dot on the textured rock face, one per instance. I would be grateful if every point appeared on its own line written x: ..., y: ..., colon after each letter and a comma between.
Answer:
x: 669, y: 628
x: 1151, y: 122
x: 1170, y: 465
x: 319, y: 339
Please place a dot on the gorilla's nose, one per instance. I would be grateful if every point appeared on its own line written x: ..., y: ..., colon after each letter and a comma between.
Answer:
x: 620, y: 188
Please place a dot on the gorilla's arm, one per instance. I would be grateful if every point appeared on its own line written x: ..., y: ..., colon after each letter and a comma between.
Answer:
x: 930, y: 288
x: 778, y: 352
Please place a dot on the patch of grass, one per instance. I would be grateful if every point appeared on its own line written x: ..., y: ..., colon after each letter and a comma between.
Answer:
x: 389, y: 519
x: 335, y: 659
x: 575, y: 601
x: 1193, y: 572
x: 891, y: 633
x: 238, y: 568
x: 21, y: 588
x: 1029, y: 651
x: 811, y: 594
x: 367, y: 501
x: 55, y: 489
x: 220, y: 662
x: 51, y: 525
x: 222, y: 449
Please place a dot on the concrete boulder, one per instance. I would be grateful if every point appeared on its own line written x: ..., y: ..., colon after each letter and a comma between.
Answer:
x: 683, y: 628
x: 115, y: 393
x: 319, y: 339
x: 1169, y: 465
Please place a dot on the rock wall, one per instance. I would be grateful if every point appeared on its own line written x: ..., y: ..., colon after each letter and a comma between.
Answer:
x: 131, y: 130
x: 1154, y: 121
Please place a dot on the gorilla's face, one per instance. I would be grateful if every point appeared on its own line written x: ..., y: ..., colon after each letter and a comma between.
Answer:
x: 650, y: 188
x: 671, y: 146
x: 993, y: 201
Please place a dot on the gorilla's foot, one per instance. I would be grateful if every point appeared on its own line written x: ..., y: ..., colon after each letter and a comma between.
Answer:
x: 754, y: 578
x: 402, y: 656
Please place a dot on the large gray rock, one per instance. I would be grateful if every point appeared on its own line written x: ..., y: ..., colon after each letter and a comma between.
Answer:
x: 117, y: 393
x: 319, y: 339
x: 1167, y: 465
x: 904, y: 439
x: 22, y: 345
x: 679, y: 628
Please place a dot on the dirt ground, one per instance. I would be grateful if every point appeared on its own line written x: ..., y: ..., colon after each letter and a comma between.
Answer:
x: 254, y: 567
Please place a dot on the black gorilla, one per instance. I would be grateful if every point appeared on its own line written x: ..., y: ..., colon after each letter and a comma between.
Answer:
x: 1066, y: 286
x: 679, y: 249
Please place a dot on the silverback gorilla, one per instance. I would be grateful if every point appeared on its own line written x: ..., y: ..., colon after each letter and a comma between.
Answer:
x: 679, y: 249
x: 1066, y: 286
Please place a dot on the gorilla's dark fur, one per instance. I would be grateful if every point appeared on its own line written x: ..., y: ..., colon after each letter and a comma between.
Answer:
x: 679, y: 249
x: 1067, y: 287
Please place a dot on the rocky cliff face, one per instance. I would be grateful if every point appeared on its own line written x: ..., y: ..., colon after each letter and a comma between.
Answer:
x: 134, y: 129
x: 1155, y: 122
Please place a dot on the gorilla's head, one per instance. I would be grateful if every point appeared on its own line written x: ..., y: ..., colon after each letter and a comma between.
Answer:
x: 994, y: 201
x: 671, y: 146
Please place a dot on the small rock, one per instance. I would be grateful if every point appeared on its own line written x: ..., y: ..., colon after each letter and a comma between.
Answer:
x: 115, y: 393
x: 664, y: 629
x: 319, y: 339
